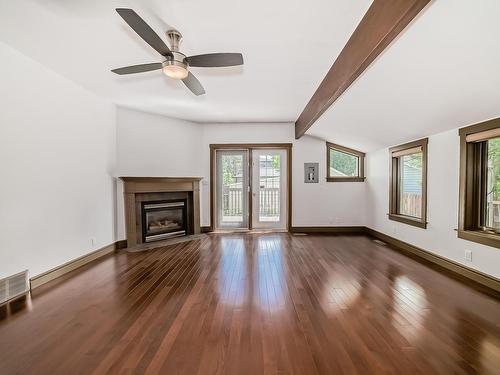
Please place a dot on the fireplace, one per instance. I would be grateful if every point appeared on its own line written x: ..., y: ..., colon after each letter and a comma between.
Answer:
x: 158, y: 208
x: 163, y: 219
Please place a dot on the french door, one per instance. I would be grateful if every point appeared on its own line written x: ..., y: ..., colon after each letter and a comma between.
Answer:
x: 251, y: 188
x: 269, y: 180
x: 232, y: 189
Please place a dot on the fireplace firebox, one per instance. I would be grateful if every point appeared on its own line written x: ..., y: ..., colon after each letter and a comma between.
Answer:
x: 163, y: 219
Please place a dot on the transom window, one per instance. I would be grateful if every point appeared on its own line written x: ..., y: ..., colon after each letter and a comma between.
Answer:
x: 344, y: 164
x: 408, y: 198
x: 479, y: 216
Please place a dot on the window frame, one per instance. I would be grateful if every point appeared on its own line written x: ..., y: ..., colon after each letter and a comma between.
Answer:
x: 394, y: 173
x: 346, y: 150
x: 472, y: 182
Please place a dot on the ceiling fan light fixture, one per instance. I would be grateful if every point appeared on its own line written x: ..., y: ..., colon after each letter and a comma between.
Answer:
x: 175, y: 69
x: 175, y: 64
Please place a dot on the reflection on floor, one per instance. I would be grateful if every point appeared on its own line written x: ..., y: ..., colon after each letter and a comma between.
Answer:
x: 252, y: 304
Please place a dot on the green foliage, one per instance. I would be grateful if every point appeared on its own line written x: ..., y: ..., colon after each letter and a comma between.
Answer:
x: 231, y: 165
x: 413, y: 160
x: 344, y: 163
x: 275, y: 163
x: 494, y: 168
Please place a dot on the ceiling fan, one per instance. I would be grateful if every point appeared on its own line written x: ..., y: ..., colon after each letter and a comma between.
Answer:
x: 175, y: 64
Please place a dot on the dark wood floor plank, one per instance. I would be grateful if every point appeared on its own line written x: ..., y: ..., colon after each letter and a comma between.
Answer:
x: 254, y: 304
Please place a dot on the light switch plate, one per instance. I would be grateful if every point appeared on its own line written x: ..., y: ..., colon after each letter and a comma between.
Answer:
x: 311, y: 171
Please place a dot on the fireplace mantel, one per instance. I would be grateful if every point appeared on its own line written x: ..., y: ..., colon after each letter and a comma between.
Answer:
x: 165, y: 184
x: 136, y: 188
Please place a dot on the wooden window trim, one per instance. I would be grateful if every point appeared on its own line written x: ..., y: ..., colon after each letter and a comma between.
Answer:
x: 470, y: 195
x: 394, y: 154
x: 361, y: 172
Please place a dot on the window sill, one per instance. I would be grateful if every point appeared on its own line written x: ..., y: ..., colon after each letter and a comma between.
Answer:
x: 408, y: 220
x: 479, y: 236
x: 345, y: 179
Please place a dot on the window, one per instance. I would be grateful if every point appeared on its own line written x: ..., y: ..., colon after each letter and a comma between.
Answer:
x: 408, y: 183
x: 479, y: 209
x: 344, y: 164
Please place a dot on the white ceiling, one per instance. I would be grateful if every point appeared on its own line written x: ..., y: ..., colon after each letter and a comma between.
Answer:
x: 288, y: 46
x: 443, y: 72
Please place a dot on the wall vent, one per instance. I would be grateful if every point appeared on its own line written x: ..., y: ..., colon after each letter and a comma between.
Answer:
x: 14, y: 286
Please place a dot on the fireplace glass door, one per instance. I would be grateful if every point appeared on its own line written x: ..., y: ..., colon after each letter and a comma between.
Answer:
x: 163, y: 219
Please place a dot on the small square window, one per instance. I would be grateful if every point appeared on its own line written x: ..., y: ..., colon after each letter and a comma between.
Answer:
x: 344, y: 164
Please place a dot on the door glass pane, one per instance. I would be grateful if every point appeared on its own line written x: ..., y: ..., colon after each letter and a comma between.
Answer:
x: 232, y: 185
x: 269, y: 187
x: 343, y: 164
x: 492, y: 206
x: 410, y: 185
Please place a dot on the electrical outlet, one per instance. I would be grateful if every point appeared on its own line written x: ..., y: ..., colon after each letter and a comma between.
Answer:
x: 468, y: 255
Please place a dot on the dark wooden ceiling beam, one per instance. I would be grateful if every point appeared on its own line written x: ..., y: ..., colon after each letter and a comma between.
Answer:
x: 382, y: 23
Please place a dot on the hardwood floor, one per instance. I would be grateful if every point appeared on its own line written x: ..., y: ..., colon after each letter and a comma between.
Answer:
x: 254, y: 304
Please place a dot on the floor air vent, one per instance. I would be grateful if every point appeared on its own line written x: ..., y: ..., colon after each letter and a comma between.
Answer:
x: 380, y: 242
x: 13, y: 286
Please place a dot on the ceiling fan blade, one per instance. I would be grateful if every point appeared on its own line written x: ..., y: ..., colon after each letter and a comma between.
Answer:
x: 138, y: 68
x: 143, y: 30
x: 215, y: 60
x: 193, y: 84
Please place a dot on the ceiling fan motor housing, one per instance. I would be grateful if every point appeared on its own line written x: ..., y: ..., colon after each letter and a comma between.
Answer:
x: 176, y: 58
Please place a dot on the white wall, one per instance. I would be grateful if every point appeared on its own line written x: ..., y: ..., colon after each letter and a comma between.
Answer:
x: 154, y: 145
x: 151, y: 145
x: 324, y: 203
x: 321, y: 204
x: 440, y: 236
x: 57, y: 151
x: 235, y: 133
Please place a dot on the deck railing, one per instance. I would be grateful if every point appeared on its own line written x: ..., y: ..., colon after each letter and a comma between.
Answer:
x: 411, y: 204
x: 493, y: 214
x: 269, y: 199
x: 269, y: 202
x: 232, y: 199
